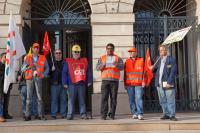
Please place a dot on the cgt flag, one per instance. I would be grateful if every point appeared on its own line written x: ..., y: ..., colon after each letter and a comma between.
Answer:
x: 148, y: 72
x: 46, y: 44
x: 14, y: 50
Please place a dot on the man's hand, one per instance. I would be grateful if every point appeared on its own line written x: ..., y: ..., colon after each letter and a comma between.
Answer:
x: 151, y: 67
x: 65, y: 86
x: 168, y: 86
x: 143, y: 84
x: 89, y: 84
x: 19, y: 78
x: 102, y: 66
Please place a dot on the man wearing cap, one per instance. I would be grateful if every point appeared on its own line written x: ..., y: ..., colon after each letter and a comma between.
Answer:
x: 75, y: 76
x: 134, y: 83
x: 37, y: 69
x: 110, y: 66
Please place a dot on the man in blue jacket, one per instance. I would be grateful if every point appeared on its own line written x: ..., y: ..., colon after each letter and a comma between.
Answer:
x: 165, y: 83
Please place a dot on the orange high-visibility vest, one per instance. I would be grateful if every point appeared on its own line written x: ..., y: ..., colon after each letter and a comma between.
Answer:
x: 77, y: 69
x: 133, y: 72
x: 39, y: 68
x: 110, y: 72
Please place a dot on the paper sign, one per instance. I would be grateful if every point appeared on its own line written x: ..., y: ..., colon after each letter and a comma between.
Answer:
x: 176, y: 36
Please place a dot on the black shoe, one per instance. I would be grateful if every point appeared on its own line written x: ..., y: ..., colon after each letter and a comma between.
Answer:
x: 36, y: 117
x: 53, y: 117
x: 173, y: 118
x: 42, y: 118
x: 63, y: 117
x: 165, y: 117
x: 111, y: 117
x: 84, y: 117
x: 103, y: 117
x: 70, y: 118
x: 8, y: 116
x: 27, y: 118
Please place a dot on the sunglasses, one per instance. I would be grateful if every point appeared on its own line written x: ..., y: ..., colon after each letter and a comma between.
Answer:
x: 58, y: 53
x: 77, y: 52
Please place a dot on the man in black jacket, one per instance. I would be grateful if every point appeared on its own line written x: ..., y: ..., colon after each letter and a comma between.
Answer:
x: 58, y: 93
x: 2, y: 71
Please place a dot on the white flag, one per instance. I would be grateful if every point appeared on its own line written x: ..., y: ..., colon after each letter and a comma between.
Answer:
x: 15, y: 49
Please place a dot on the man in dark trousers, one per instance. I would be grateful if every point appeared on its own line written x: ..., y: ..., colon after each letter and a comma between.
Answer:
x: 110, y: 66
x: 2, y: 71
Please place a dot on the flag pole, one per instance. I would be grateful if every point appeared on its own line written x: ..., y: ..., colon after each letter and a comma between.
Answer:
x: 53, y: 67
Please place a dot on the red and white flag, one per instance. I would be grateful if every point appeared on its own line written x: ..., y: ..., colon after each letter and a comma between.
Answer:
x: 14, y: 50
x: 46, y: 44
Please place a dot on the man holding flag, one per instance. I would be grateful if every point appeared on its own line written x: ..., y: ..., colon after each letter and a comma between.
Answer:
x: 15, y: 49
x: 165, y: 76
x: 38, y: 69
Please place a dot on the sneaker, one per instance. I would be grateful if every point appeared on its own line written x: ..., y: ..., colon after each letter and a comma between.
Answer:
x: 165, y: 117
x: 135, y: 117
x: 173, y: 118
x: 140, y: 117
x: 2, y: 119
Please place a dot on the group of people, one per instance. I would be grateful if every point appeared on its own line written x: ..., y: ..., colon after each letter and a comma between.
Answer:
x: 110, y: 66
x: 70, y: 77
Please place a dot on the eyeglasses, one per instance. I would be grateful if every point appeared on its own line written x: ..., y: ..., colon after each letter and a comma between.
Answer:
x: 77, y: 52
x: 58, y: 53
x: 110, y: 48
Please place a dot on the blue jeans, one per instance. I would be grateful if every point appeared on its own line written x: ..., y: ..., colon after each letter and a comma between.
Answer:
x: 58, y: 92
x: 135, y: 94
x: 167, y: 101
x: 23, y: 93
x: 73, y: 91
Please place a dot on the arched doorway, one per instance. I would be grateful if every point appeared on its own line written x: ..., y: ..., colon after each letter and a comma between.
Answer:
x: 154, y: 21
x: 67, y: 23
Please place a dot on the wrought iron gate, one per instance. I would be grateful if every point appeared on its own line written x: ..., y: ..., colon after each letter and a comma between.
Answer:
x: 149, y: 32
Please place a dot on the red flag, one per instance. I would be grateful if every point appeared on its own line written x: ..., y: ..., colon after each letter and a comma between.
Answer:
x: 46, y: 44
x: 148, y: 72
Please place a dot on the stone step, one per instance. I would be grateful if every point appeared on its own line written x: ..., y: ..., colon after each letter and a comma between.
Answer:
x: 190, y: 123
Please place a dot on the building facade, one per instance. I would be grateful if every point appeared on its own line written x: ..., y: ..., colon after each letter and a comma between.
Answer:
x: 94, y: 23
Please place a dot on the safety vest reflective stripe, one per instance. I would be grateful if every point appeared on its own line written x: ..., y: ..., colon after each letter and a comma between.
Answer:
x: 110, y: 72
x: 134, y: 79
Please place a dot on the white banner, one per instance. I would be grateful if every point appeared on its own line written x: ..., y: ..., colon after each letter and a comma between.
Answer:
x: 176, y: 36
